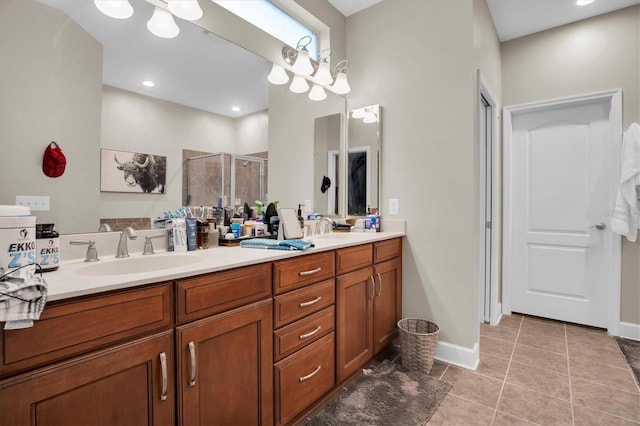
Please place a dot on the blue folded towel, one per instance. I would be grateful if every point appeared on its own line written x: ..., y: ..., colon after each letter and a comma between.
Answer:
x: 267, y: 243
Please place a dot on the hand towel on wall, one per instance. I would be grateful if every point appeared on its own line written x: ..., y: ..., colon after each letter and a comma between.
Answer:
x: 626, y: 214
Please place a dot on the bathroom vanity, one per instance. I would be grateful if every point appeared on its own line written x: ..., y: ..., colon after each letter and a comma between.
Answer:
x: 239, y: 336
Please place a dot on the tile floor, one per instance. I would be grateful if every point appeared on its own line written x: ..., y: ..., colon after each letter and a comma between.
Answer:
x: 538, y: 371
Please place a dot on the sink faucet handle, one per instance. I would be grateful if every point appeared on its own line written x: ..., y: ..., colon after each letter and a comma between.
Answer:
x: 148, y: 246
x: 92, y: 253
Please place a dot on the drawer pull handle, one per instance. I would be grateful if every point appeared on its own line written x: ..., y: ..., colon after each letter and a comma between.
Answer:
x: 309, y: 334
x: 310, y: 302
x: 192, y: 353
x: 310, y: 272
x: 380, y: 284
x: 373, y: 287
x: 163, y: 366
x: 310, y: 375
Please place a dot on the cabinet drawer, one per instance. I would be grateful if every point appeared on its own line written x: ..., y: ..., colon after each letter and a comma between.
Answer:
x: 303, y: 377
x: 74, y: 327
x: 353, y: 258
x: 300, y: 303
x: 385, y: 250
x: 289, y: 339
x: 219, y: 292
x: 301, y: 271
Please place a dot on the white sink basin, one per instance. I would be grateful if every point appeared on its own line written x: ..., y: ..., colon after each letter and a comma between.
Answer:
x: 138, y: 264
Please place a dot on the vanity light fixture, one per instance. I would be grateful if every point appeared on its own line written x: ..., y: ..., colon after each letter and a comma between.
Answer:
x: 317, y: 73
x: 278, y: 75
x: 161, y: 23
x: 317, y: 93
x: 118, y: 9
x: 299, y: 84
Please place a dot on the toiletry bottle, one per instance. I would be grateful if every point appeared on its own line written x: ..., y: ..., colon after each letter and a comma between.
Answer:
x: 47, y: 247
x: 300, y: 218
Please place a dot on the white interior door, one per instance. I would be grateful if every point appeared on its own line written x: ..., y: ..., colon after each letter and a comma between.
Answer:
x: 560, y: 246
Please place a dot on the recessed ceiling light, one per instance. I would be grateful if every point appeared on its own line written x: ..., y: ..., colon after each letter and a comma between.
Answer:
x: 235, y: 109
x: 148, y: 83
x: 583, y: 2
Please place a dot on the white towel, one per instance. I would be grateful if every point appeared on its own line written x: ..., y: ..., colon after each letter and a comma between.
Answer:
x: 22, y: 301
x: 626, y: 215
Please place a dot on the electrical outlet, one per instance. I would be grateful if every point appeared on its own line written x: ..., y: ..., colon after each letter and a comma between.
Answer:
x: 394, y: 206
x: 307, y: 206
x: 33, y: 202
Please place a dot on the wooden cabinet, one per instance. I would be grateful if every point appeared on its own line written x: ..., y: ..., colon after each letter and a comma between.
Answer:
x: 304, y: 339
x: 303, y: 377
x: 73, y: 327
x: 130, y: 384
x: 369, y: 304
x: 225, y: 373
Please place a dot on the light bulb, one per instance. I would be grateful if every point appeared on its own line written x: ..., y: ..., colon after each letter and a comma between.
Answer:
x: 317, y: 93
x: 185, y: 9
x: 299, y: 84
x: 341, y: 85
x: 119, y: 9
x: 583, y: 2
x: 162, y: 24
x: 302, y: 65
x: 277, y: 75
x: 323, y: 75
x: 370, y: 117
x: 358, y: 113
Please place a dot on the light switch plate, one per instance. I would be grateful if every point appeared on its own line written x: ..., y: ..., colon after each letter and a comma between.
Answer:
x: 307, y: 206
x: 394, y: 206
x: 35, y: 203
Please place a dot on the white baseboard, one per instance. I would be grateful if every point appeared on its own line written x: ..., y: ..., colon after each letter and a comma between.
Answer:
x: 629, y: 330
x: 458, y: 355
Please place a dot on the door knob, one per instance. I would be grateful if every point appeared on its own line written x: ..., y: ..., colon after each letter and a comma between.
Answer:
x: 600, y: 226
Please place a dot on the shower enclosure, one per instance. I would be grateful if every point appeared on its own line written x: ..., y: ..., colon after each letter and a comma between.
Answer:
x: 228, y: 180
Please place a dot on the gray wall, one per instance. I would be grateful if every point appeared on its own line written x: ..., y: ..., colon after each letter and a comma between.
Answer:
x: 597, y: 54
x: 416, y: 59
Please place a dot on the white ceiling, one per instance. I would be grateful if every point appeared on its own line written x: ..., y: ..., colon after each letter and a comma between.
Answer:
x: 517, y: 18
x: 201, y: 70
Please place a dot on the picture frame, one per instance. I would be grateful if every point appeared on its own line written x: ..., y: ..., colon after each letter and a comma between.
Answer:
x: 125, y: 171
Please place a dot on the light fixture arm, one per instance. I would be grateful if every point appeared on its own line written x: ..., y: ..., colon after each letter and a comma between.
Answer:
x: 340, y: 67
x: 289, y: 54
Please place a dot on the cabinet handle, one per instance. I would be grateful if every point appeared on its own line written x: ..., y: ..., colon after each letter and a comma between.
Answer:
x: 310, y: 272
x: 310, y: 375
x: 163, y: 366
x: 192, y: 352
x: 310, y: 302
x: 373, y: 287
x: 309, y: 334
x: 380, y: 284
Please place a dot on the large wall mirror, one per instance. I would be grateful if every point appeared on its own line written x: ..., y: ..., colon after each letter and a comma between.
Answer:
x: 363, y: 171
x: 197, y: 66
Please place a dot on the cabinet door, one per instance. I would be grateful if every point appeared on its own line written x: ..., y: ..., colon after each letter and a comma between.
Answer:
x: 387, y: 303
x: 356, y: 291
x: 131, y: 384
x: 226, y: 368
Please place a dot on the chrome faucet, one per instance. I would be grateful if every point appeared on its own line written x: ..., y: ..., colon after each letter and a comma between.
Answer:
x: 122, y: 250
x: 104, y: 227
x: 325, y: 225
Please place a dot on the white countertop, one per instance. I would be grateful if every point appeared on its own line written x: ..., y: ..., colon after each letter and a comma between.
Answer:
x: 74, y: 278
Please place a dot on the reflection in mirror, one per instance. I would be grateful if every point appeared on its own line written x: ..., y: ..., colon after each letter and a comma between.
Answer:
x: 326, y: 150
x: 363, y: 160
x: 86, y: 94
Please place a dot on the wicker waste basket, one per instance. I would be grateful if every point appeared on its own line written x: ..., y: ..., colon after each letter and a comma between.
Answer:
x: 418, y: 343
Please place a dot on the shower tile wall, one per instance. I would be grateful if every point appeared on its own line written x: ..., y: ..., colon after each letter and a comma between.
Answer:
x: 205, y: 178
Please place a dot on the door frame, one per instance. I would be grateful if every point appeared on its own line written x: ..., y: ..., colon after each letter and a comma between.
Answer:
x: 614, y: 97
x: 485, y: 92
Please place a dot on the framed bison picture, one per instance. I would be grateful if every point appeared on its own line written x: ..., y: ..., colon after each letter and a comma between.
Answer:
x: 124, y: 171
